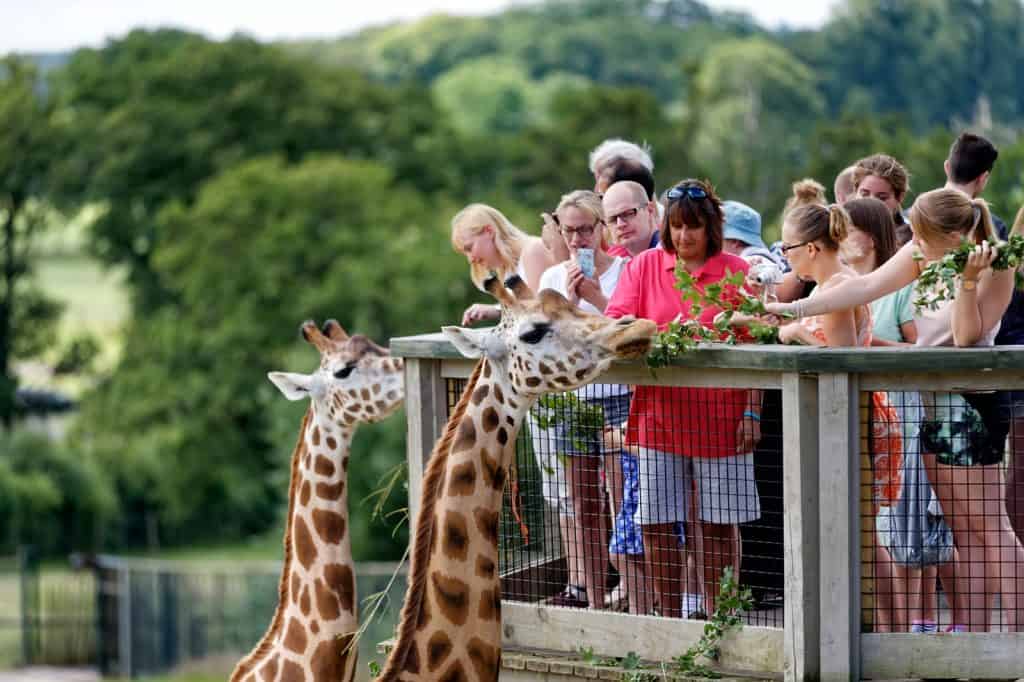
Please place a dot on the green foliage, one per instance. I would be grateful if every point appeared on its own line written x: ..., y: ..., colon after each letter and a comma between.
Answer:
x: 732, y: 604
x: 583, y: 420
x: 51, y: 495
x: 727, y: 296
x: 937, y: 281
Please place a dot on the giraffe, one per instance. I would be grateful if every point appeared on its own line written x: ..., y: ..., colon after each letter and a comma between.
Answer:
x: 310, y: 638
x: 450, y: 626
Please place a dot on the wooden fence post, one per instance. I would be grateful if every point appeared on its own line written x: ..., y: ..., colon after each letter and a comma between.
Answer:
x: 800, y: 501
x: 839, y: 525
x: 426, y: 411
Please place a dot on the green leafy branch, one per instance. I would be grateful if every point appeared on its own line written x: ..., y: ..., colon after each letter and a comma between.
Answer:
x: 584, y: 419
x: 732, y: 604
x: 727, y: 295
x: 937, y: 281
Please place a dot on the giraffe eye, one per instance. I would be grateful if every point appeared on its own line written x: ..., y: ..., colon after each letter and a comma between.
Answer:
x: 535, y: 334
x: 344, y: 372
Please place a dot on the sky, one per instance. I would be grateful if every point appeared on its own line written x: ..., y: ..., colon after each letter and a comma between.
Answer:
x: 60, y: 25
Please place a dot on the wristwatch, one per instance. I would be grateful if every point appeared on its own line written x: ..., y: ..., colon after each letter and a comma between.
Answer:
x: 968, y: 284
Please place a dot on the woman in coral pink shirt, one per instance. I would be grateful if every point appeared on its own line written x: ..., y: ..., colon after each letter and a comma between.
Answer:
x: 689, y: 437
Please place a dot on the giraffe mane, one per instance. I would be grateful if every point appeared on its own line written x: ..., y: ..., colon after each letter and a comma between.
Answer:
x: 265, y: 644
x: 425, y: 534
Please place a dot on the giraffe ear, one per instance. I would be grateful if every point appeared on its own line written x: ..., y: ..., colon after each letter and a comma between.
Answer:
x: 293, y: 386
x: 470, y: 342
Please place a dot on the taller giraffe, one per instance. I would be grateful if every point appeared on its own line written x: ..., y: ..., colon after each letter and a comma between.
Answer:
x: 310, y: 638
x: 450, y: 628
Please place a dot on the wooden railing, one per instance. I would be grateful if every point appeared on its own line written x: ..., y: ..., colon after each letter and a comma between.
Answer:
x: 822, y: 464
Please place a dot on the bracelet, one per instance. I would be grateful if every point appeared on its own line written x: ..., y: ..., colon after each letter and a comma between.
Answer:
x: 753, y: 415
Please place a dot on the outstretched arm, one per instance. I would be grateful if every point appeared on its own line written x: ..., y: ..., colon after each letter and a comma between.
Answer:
x: 896, y: 273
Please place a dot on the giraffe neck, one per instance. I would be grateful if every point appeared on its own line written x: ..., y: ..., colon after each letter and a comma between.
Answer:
x: 451, y: 620
x: 316, y: 615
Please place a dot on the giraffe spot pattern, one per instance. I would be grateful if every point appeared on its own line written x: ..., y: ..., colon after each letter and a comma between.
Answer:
x: 486, y: 659
x: 316, y: 436
x: 424, y: 617
x: 269, y: 671
x: 456, y: 536
x: 342, y: 581
x: 330, y: 491
x: 480, y: 393
x: 330, y: 526
x: 490, y: 419
x: 561, y: 366
x: 439, y: 647
x: 304, y: 493
x: 484, y: 567
x: 329, y: 658
x: 375, y: 389
x: 563, y: 381
x: 365, y: 393
x: 314, y: 627
x: 324, y: 466
x: 295, y: 589
x: 494, y: 473
x: 533, y: 382
x: 498, y: 394
x: 487, y: 524
x: 462, y: 479
x: 291, y: 672
x: 295, y: 637
x: 510, y: 420
x: 487, y: 370
x: 465, y: 436
x: 305, y: 550
x: 454, y: 673
x: 580, y: 373
x: 326, y: 602
x: 544, y: 369
x: 502, y: 436
x: 332, y: 444
x: 344, y: 463
x: 304, y: 601
x: 380, y: 405
x: 490, y: 605
x: 452, y: 597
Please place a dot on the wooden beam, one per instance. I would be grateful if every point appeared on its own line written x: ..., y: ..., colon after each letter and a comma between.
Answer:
x: 800, y: 502
x: 535, y: 626
x: 426, y: 410
x: 838, y: 526
x: 974, y: 655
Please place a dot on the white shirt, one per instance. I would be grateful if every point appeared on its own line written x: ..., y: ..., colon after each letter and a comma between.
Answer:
x: 554, y: 278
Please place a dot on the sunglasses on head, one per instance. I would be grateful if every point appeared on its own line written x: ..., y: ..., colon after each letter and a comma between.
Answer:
x: 695, y: 192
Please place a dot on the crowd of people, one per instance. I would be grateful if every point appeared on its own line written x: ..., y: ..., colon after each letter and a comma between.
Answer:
x: 660, y: 492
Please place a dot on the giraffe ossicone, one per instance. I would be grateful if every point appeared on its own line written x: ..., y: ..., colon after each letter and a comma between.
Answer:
x: 450, y: 627
x: 311, y: 636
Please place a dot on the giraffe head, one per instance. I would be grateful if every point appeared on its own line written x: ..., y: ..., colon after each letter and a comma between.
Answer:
x: 546, y: 344
x: 357, y: 381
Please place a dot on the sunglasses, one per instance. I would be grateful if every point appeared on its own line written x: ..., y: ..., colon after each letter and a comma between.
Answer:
x: 785, y: 248
x: 695, y: 192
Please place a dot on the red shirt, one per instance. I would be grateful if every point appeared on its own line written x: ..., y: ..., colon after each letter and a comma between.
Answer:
x: 696, y: 422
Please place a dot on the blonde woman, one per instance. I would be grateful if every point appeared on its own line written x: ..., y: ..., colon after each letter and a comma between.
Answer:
x: 967, y: 480
x: 492, y: 243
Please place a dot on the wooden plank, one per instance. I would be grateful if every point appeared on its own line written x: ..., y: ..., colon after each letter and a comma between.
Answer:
x: 536, y: 581
x: 426, y: 412
x: 535, y: 626
x: 787, y: 358
x: 956, y: 380
x: 838, y: 526
x: 633, y: 373
x: 943, y: 655
x: 800, y: 502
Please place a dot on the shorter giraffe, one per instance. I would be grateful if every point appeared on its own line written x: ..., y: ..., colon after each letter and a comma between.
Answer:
x: 310, y: 638
x: 450, y: 629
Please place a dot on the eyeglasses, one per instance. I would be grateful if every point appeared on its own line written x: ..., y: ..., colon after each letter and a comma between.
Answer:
x: 625, y: 216
x: 695, y: 192
x: 786, y: 248
x: 583, y: 231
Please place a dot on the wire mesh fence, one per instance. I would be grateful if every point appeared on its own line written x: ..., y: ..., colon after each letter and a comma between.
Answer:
x: 941, y: 523
x: 635, y: 499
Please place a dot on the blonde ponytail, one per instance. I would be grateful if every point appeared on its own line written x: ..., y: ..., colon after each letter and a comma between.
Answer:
x: 984, y: 228
x: 838, y: 223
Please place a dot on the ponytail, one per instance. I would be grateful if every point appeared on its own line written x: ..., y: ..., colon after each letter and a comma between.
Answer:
x: 1018, y: 222
x: 838, y: 224
x: 983, y: 226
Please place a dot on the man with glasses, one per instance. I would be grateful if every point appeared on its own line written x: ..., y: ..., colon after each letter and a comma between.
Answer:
x: 632, y: 217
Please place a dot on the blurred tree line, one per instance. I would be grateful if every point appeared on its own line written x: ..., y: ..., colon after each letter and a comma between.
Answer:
x: 246, y: 187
